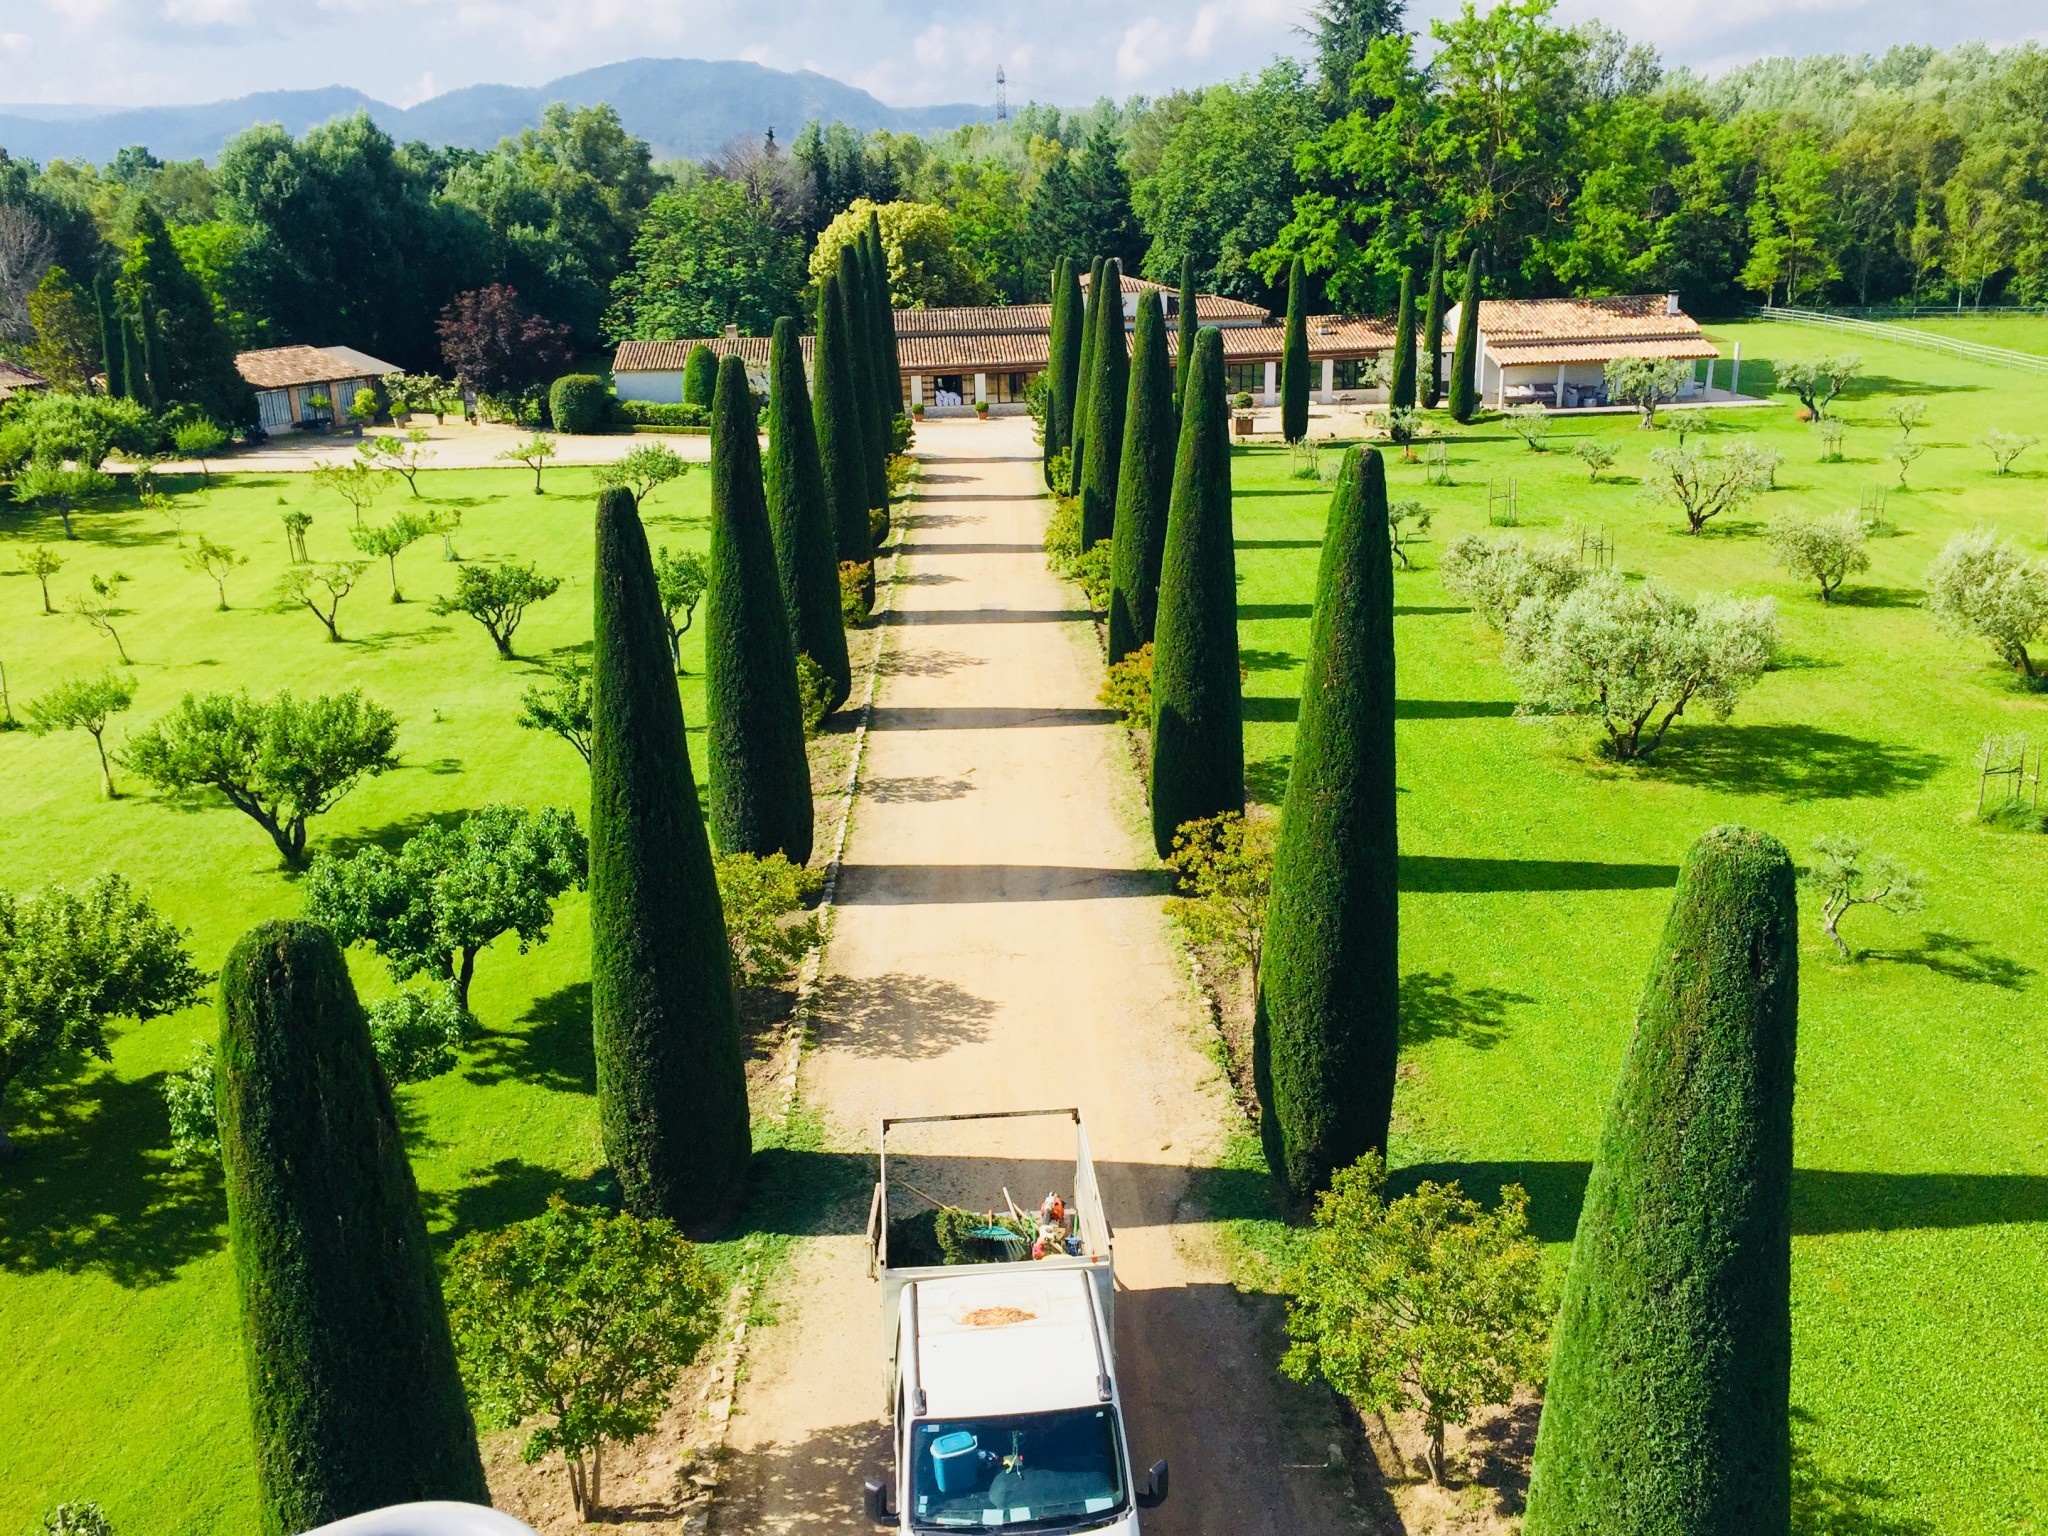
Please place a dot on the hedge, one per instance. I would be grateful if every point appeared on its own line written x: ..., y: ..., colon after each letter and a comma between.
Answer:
x: 579, y: 403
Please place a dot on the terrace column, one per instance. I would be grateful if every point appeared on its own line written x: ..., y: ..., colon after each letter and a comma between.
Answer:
x: 1500, y: 386
x: 1560, y: 386
x: 1735, y: 372
x: 1272, y: 383
x: 917, y: 389
x: 1329, y: 380
x: 980, y: 388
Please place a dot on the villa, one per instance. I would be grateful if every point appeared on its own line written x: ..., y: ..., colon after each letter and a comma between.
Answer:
x: 289, y: 380
x: 1554, y: 352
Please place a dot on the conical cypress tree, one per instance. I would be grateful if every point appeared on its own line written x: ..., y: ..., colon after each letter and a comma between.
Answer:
x: 1197, y: 707
x: 1401, y: 391
x: 353, y: 1388
x: 671, y: 1079
x: 1070, y: 313
x: 1668, y: 1405
x: 1465, y: 355
x: 1326, y: 1036
x: 1433, y: 330
x: 1294, y: 363
x: 860, y: 357
x: 1144, y: 486
x: 1184, y: 353
x: 700, y: 376
x: 134, y: 371
x: 153, y: 350
x: 1108, y: 393
x: 110, y: 336
x: 1050, y: 438
x: 760, y: 778
x: 842, y: 435
x: 888, y: 373
x: 1085, y: 374
x: 799, y: 514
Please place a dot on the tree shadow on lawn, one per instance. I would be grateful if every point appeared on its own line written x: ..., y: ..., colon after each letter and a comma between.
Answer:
x: 1267, y: 710
x: 511, y: 1189
x: 94, y: 1189
x: 1436, y: 873
x: 1829, y: 1503
x: 1878, y: 597
x: 1265, y: 778
x: 1958, y: 959
x: 1825, y: 1202
x: 1252, y: 659
x: 391, y: 834
x: 1789, y: 762
x: 555, y: 1052
x: 1435, y: 1007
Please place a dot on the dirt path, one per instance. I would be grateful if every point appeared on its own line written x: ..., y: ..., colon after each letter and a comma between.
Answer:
x: 1000, y: 945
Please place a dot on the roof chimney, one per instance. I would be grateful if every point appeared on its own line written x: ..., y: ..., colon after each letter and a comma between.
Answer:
x: 732, y: 332
x: 1671, y: 303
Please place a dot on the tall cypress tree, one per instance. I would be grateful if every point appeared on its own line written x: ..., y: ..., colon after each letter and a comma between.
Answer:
x: 1085, y: 374
x: 1144, y: 485
x: 700, y: 376
x: 1326, y: 1037
x: 110, y: 338
x: 860, y: 356
x: 1433, y: 330
x: 1465, y: 355
x: 1052, y: 436
x: 1190, y: 321
x: 190, y: 358
x: 1197, y: 704
x: 888, y: 372
x: 754, y: 744
x: 800, y: 516
x: 1401, y: 391
x: 1294, y: 363
x: 1108, y: 393
x: 842, y: 434
x: 134, y: 369
x: 1066, y: 361
x: 353, y: 1390
x: 1668, y: 1405
x: 671, y: 1077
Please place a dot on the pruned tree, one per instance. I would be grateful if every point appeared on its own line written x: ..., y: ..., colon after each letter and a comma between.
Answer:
x: 42, y: 562
x: 1762, y: 461
x: 357, y: 481
x: 296, y: 522
x: 561, y: 706
x: 216, y: 562
x: 644, y: 470
x: 1498, y: 576
x: 1983, y: 585
x: 279, y: 761
x: 1831, y: 430
x: 430, y: 908
x: 1646, y: 383
x: 1826, y: 550
x: 1845, y: 873
x: 497, y: 597
x: 583, y: 1320
x: 1701, y: 484
x: 681, y: 578
x: 72, y: 962
x: 1407, y: 522
x: 534, y: 453
x: 61, y: 489
x: 99, y: 605
x: 1819, y: 381
x: 403, y: 456
x: 86, y: 704
x: 320, y: 588
x: 1531, y: 423
x: 1906, y: 415
x: 2004, y: 447
x: 1633, y: 656
x: 1904, y: 452
x: 1686, y: 422
x: 199, y: 441
x: 1595, y: 455
x: 388, y: 541
x: 1429, y: 1302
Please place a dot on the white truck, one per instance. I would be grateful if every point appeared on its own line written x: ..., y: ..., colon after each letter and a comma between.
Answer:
x: 1001, y: 1375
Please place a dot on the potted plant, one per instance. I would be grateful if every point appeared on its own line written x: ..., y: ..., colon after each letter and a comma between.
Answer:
x: 320, y: 407
x: 981, y: 409
x: 1241, y: 423
x: 917, y: 411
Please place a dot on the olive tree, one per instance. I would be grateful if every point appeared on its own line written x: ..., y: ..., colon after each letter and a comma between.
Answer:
x: 73, y: 961
x: 1818, y: 381
x: 2004, y: 447
x: 1845, y: 873
x: 1429, y: 1302
x: 1595, y: 455
x: 1702, y: 484
x: 86, y: 704
x: 216, y: 562
x: 1646, y: 383
x: 430, y: 908
x: 1634, y: 655
x: 279, y: 761
x: 497, y: 597
x: 1497, y: 576
x: 1984, y: 586
x: 581, y: 1320
x: 1826, y: 550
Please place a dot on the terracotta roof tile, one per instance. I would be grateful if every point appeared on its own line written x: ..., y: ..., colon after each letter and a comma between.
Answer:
x: 288, y: 367
x: 1625, y: 317
x: 13, y: 378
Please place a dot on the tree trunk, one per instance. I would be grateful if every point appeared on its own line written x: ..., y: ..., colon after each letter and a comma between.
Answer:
x: 463, y: 973
x: 106, y: 772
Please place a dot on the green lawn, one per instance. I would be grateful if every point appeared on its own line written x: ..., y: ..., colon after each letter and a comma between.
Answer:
x: 2023, y: 333
x: 120, y: 1370
x: 1536, y: 878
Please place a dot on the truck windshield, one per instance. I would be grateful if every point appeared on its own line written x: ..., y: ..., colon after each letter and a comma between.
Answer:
x: 1032, y: 1472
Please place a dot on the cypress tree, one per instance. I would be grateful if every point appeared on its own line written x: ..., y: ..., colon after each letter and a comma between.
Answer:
x: 354, y: 1394
x: 1197, y: 708
x: 110, y: 351
x: 1108, y: 393
x: 1071, y: 313
x: 1326, y: 1036
x: 190, y: 358
x: 700, y: 376
x: 1084, y: 374
x: 1144, y: 485
x: 1401, y: 392
x: 1184, y: 353
x: 800, y: 516
x: 1294, y: 363
x: 1668, y: 1406
x: 134, y: 371
x: 888, y: 371
x: 842, y: 436
x: 153, y: 352
x: 1465, y: 355
x: 1052, y: 436
x: 754, y: 744
x: 671, y: 1079
x: 1433, y: 330
x: 860, y: 357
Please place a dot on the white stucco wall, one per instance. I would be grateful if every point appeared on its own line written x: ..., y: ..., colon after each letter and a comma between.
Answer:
x: 656, y: 388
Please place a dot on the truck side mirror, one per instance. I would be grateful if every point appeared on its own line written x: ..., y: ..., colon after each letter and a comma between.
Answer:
x: 875, y: 1497
x: 1153, y: 1494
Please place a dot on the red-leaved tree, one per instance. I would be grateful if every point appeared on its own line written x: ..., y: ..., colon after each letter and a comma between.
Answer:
x: 496, y: 345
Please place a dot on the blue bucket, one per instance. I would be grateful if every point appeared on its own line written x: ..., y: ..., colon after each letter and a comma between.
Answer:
x: 955, y: 1461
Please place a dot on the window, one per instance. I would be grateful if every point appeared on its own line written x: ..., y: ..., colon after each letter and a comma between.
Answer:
x: 1246, y: 378
x: 1353, y: 373
x: 1034, y: 1470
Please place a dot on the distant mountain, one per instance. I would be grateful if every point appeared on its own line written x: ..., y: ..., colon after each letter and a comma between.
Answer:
x: 684, y: 108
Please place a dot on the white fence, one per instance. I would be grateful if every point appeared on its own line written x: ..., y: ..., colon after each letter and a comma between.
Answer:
x: 1906, y: 335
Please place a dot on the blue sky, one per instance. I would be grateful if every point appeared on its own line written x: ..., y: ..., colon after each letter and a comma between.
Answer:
x: 140, y: 52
